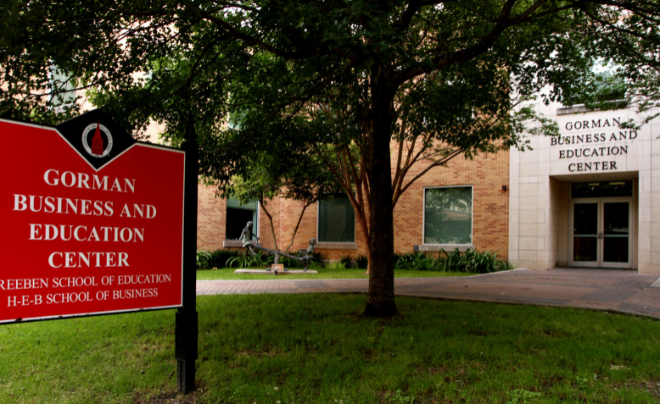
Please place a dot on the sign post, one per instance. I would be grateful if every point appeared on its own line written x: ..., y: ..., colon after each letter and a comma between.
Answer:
x: 96, y: 223
x: 186, y: 317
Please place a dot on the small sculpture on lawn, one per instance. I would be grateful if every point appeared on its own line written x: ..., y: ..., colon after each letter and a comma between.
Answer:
x: 247, y: 235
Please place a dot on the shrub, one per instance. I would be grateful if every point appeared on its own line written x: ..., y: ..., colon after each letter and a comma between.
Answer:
x: 346, y: 260
x: 472, y: 261
x: 259, y: 260
x: 319, y: 259
x: 417, y: 261
x: 362, y: 262
x: 335, y: 265
x: 203, y: 259
x: 219, y: 258
x: 290, y: 263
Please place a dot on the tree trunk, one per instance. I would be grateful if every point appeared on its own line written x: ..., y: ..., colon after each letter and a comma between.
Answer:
x: 380, y: 301
x: 270, y: 219
x: 295, y: 231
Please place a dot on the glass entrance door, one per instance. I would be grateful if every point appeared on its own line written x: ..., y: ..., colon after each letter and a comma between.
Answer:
x: 601, y: 233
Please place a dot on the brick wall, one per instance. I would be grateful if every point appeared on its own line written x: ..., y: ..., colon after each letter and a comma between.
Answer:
x: 487, y: 173
x: 211, y: 219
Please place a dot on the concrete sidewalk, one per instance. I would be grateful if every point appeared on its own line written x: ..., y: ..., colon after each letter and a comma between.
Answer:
x: 617, y: 291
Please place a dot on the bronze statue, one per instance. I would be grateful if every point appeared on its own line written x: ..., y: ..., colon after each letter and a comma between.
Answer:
x: 247, y: 235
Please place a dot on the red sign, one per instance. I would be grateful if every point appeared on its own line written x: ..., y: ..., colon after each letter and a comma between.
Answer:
x: 92, y: 227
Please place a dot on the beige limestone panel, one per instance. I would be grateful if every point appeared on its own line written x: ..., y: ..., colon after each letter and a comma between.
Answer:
x: 514, y: 205
x: 645, y: 185
x: 513, y: 243
x: 529, y: 202
x: 529, y: 180
x: 644, y: 242
x: 655, y: 258
x: 528, y: 229
x: 528, y: 243
x: 529, y: 169
x: 645, y: 200
x: 529, y: 157
x: 513, y: 230
x: 529, y: 216
x: 529, y: 189
x: 655, y: 214
x: 644, y: 257
x: 527, y: 255
x: 655, y: 147
x: 541, y: 216
x: 649, y: 269
x: 655, y: 244
x: 645, y: 215
x: 513, y: 255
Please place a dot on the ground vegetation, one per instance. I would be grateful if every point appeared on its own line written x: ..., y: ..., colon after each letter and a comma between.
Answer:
x: 340, y: 80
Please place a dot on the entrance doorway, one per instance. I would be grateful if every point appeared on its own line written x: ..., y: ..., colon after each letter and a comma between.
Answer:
x: 601, y: 223
x: 602, y: 235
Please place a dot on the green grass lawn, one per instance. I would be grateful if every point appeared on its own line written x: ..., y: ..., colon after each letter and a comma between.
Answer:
x: 316, y: 349
x: 323, y: 273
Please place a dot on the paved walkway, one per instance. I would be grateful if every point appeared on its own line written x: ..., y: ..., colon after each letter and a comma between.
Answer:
x: 617, y: 291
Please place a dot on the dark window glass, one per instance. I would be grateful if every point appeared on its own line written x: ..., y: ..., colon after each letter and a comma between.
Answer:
x: 617, y: 231
x: 237, y: 217
x: 448, y: 215
x: 601, y: 189
x: 336, y: 220
x: 585, y: 232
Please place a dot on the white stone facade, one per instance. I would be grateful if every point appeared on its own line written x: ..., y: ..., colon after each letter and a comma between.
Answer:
x: 592, y: 148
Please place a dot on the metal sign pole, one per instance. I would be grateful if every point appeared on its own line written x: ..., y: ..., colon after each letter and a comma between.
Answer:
x: 186, y: 317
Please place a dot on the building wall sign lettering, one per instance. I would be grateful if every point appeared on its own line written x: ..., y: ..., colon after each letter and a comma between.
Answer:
x: 92, y: 221
x: 590, y: 145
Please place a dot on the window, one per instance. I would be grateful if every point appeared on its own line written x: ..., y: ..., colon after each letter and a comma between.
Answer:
x: 237, y: 217
x: 601, y: 189
x: 448, y: 215
x: 336, y: 220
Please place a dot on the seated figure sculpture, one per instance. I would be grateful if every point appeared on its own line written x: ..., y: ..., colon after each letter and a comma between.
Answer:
x: 247, y: 235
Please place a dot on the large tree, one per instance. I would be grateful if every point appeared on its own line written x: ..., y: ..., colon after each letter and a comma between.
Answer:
x: 340, y: 77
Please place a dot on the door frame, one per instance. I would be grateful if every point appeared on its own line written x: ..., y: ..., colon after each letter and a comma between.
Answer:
x: 600, y: 232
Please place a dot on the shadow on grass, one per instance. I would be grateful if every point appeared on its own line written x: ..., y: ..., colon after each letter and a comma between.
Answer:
x: 318, y: 349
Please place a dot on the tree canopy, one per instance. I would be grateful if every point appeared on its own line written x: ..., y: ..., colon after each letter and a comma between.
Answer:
x: 339, y: 79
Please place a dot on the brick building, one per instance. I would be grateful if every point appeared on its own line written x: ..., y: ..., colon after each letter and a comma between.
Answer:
x: 468, y: 197
x: 590, y: 198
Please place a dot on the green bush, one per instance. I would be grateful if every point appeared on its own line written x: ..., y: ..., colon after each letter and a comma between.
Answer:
x: 259, y: 260
x: 362, y: 262
x: 335, y: 265
x: 472, y: 261
x: 346, y: 260
x: 290, y: 263
x: 219, y: 258
x: 203, y: 259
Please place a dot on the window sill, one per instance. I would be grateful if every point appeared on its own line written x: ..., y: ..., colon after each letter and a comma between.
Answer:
x: 235, y: 243
x: 335, y: 246
x: 447, y: 247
